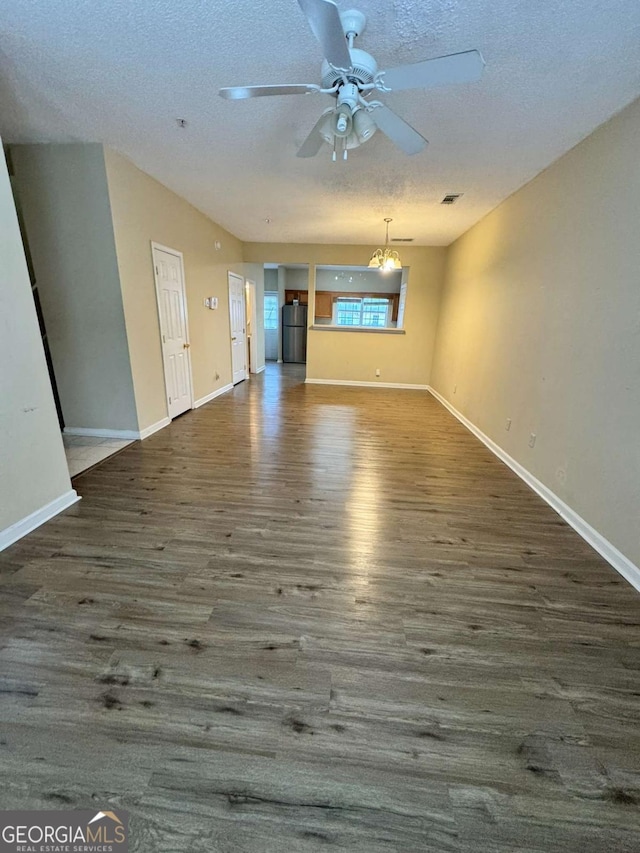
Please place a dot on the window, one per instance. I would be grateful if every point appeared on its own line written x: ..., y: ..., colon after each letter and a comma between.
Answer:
x: 270, y: 311
x: 375, y: 312
x: 369, y: 311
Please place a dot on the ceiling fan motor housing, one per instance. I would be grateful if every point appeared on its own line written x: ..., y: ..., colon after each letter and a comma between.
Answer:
x: 363, y: 69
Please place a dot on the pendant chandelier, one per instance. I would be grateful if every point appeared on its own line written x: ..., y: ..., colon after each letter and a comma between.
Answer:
x: 385, y: 259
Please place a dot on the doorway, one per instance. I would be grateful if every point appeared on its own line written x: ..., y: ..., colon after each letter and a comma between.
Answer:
x: 174, y: 328
x: 286, y: 287
x: 252, y: 327
x: 238, y: 324
x: 271, y: 325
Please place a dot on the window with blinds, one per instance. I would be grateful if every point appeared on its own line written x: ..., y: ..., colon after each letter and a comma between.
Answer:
x: 368, y: 311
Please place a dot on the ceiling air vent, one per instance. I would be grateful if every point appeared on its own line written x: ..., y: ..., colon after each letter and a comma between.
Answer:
x: 452, y: 198
x: 402, y: 239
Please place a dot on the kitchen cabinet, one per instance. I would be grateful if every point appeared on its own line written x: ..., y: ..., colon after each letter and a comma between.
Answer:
x: 301, y: 295
x: 324, y: 304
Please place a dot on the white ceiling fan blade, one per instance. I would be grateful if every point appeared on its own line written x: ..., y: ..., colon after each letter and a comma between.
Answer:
x: 324, y: 20
x: 398, y: 131
x: 313, y: 142
x: 238, y: 93
x: 455, y: 68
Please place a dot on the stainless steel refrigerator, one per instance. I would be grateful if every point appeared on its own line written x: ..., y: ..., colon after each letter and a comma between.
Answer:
x: 294, y: 333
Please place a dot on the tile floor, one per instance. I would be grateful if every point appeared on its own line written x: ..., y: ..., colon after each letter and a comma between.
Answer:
x: 84, y: 451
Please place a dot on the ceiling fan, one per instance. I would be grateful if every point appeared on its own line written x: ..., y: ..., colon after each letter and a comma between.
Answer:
x: 350, y: 75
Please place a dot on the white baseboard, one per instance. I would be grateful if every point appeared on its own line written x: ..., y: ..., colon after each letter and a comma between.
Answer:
x: 212, y: 395
x: 606, y: 549
x: 16, y: 531
x: 124, y: 434
x: 356, y: 384
x: 260, y: 369
x: 147, y: 431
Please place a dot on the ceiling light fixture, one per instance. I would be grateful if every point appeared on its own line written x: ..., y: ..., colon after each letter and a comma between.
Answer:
x: 385, y: 259
x: 346, y: 127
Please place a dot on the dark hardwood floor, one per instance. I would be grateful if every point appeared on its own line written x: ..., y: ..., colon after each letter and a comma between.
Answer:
x: 305, y: 618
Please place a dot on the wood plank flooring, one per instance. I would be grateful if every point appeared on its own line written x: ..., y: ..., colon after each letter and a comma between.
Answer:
x: 305, y: 618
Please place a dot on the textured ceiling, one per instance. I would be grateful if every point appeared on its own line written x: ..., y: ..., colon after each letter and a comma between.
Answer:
x: 121, y: 72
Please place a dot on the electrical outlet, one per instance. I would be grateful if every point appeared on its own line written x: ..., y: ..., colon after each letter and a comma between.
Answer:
x: 377, y: 371
x: 207, y: 303
x: 532, y: 440
x: 507, y: 426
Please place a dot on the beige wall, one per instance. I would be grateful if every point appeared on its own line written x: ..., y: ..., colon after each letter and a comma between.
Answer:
x: 540, y: 323
x: 64, y: 199
x: 144, y: 211
x: 33, y: 468
x: 402, y: 359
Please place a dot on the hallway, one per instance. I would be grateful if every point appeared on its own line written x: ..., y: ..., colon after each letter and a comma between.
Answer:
x: 307, y: 617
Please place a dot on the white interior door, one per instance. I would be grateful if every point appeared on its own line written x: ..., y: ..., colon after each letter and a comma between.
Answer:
x: 174, y: 331
x: 238, y: 325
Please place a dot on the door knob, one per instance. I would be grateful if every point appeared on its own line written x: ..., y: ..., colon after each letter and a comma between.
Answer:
x: 234, y: 338
x: 186, y: 346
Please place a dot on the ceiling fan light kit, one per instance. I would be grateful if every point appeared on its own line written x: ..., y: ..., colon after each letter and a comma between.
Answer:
x: 363, y: 125
x: 386, y: 259
x: 350, y: 75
